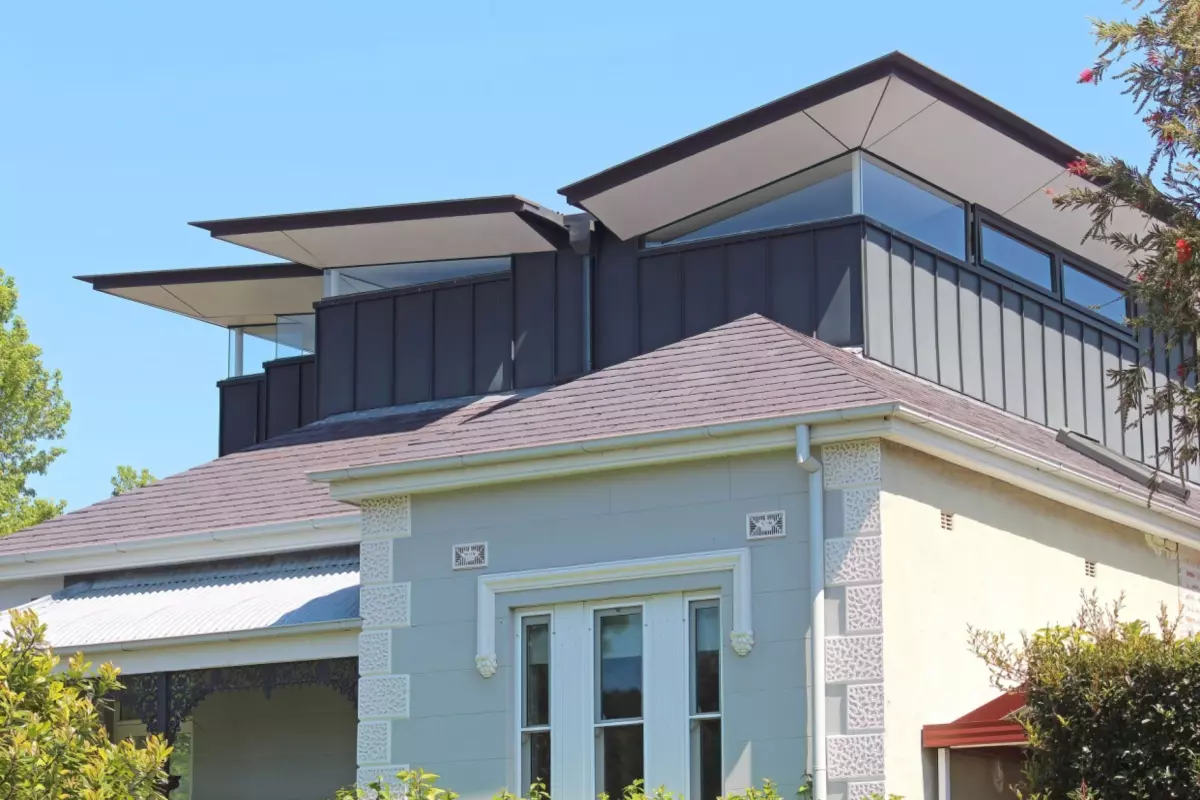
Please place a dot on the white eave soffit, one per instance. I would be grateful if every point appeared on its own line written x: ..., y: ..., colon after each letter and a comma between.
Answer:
x: 895, y: 120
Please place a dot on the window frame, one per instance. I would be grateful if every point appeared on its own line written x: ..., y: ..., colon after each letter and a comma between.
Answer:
x: 984, y: 218
x: 692, y: 600
x: 968, y: 208
x: 546, y: 612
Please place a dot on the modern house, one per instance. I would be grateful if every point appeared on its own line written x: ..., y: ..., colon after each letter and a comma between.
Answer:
x: 539, y: 496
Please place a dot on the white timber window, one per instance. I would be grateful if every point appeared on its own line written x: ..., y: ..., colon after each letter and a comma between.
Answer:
x: 613, y: 692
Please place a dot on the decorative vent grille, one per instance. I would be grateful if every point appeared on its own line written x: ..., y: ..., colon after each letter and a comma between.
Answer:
x: 765, y: 525
x: 470, y: 556
x: 1089, y: 568
x: 947, y: 520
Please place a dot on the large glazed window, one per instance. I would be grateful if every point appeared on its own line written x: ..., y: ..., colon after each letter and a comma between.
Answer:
x: 824, y: 192
x: 1082, y: 289
x: 1003, y: 252
x: 609, y: 694
x: 355, y: 280
x: 914, y: 208
x: 288, y: 336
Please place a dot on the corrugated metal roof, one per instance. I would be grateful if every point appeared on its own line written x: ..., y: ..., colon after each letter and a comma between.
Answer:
x: 226, y: 597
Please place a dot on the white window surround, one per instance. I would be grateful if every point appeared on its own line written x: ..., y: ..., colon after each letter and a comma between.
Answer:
x: 735, y: 561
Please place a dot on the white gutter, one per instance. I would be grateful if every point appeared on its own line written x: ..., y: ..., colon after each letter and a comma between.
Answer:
x: 816, y: 580
x: 252, y: 634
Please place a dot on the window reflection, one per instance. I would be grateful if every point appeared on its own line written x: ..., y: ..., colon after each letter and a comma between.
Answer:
x: 913, y: 208
x: 1082, y: 289
x: 1004, y: 252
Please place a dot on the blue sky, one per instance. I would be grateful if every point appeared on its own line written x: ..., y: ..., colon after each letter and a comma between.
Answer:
x: 124, y: 120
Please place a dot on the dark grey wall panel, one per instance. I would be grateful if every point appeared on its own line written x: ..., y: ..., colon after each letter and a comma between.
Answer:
x: 903, y: 336
x: 660, y: 317
x: 1093, y: 384
x: 1110, y: 359
x: 748, y: 278
x: 794, y: 261
x: 877, y: 294
x: 946, y: 307
x: 703, y: 276
x: 533, y: 320
x: 492, y: 329
x: 308, y: 391
x: 1162, y: 422
x: 568, y: 315
x: 1075, y: 374
x: 616, y: 301
x: 1149, y: 430
x: 925, y: 315
x: 1035, y: 376
x: 1052, y: 362
x: 991, y: 336
x: 453, y: 343
x: 335, y: 359
x: 1133, y: 434
x: 971, y: 341
x: 1013, y: 345
x: 283, y: 397
x: 412, y: 376
x: 839, y: 285
x: 373, y: 343
x: 241, y: 423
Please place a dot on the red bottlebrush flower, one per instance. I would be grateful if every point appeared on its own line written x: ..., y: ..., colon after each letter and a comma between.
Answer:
x: 1079, y: 167
x: 1154, y: 59
x: 1168, y: 139
x: 1183, y: 250
x: 1141, y: 276
x: 1087, y: 76
x: 1181, y: 371
x: 1049, y: 191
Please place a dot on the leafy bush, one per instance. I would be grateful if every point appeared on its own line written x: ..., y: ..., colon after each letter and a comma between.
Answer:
x: 52, y: 741
x: 1113, y: 708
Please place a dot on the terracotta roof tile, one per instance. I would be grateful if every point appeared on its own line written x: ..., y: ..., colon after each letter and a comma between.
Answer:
x: 749, y: 369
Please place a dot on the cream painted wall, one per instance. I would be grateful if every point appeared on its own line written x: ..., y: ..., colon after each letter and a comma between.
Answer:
x: 297, y: 745
x: 1013, y: 562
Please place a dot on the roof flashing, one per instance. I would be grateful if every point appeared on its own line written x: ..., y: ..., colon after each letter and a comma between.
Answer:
x: 1152, y: 479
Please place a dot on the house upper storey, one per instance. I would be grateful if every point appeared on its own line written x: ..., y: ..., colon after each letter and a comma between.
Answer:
x: 887, y: 208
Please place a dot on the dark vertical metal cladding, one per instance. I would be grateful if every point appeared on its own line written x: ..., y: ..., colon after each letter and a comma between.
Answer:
x: 877, y: 283
x: 1093, y: 385
x: 413, y: 372
x: 241, y: 423
x: 970, y: 337
x: 1053, y: 367
x: 747, y: 278
x: 1110, y: 360
x: 1073, y: 369
x: 703, y: 278
x: 948, y: 339
x: 493, y: 330
x: 308, y: 391
x: 1014, y: 351
x: 335, y: 359
x: 533, y: 319
x: 925, y: 314
x: 903, y: 341
x: 1148, y: 427
x: 793, y: 293
x: 453, y: 342
x: 839, y: 285
x: 568, y: 315
x: 991, y: 339
x: 660, y: 302
x: 1133, y: 433
x: 616, y: 301
x: 373, y: 353
x: 1162, y: 421
x: 283, y: 398
x: 1035, y: 366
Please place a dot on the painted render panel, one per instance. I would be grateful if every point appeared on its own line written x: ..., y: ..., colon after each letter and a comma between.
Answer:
x: 1013, y: 562
x: 464, y: 726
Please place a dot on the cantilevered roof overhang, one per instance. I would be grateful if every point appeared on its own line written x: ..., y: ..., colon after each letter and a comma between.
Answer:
x: 225, y: 296
x: 443, y: 230
x: 893, y: 107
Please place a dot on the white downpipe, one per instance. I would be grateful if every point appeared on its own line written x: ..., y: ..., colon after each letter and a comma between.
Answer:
x: 816, y: 578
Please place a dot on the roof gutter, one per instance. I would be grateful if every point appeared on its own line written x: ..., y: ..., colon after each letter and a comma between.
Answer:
x: 353, y: 484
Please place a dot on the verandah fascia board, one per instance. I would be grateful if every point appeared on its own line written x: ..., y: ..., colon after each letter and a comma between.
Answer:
x: 303, y: 534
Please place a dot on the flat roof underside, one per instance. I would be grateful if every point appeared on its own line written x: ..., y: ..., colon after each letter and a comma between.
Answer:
x: 474, y: 228
x: 225, y: 296
x: 909, y: 115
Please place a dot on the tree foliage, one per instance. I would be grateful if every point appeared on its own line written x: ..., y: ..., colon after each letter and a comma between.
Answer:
x: 127, y: 479
x: 52, y: 741
x: 32, y: 413
x: 1156, y: 59
x: 1112, y: 707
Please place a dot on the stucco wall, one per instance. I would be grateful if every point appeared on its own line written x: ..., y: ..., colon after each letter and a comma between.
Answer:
x: 462, y: 726
x: 1012, y: 562
x: 296, y: 745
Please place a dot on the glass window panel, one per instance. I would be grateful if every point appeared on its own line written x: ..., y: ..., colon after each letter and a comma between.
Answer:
x: 535, y: 752
x: 1003, y: 251
x: 620, y: 755
x: 911, y: 208
x: 537, y: 672
x: 706, y: 759
x: 354, y: 280
x: 706, y: 659
x: 620, y: 667
x: 823, y: 192
x: 1082, y: 289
